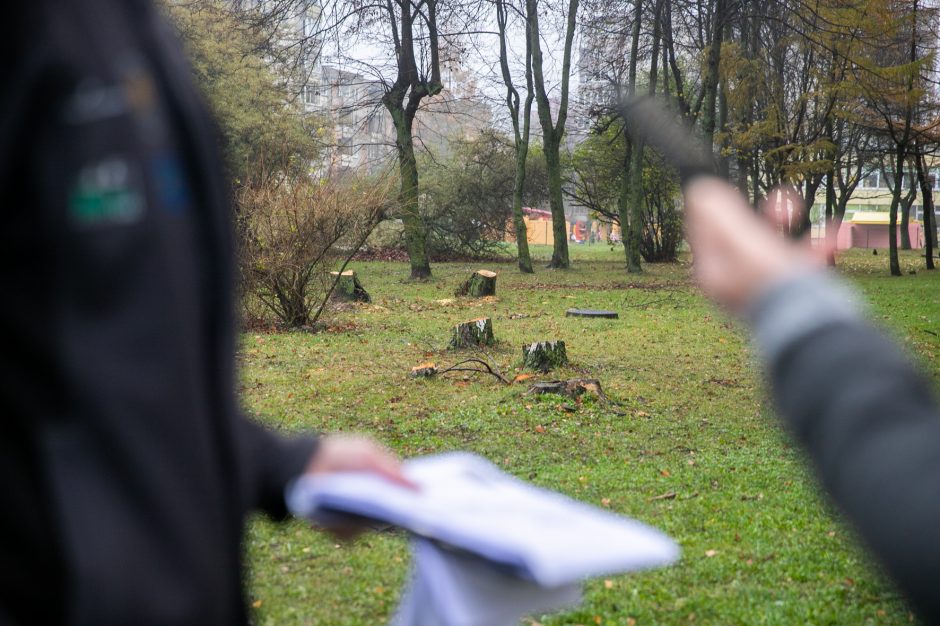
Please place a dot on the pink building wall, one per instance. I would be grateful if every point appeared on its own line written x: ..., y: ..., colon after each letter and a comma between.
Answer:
x: 874, y: 235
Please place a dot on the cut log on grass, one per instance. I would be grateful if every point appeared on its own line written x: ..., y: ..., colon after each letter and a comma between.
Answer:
x: 544, y: 355
x: 611, y: 315
x: 425, y: 370
x: 480, y: 284
x: 571, y: 388
x: 478, y: 332
x: 349, y: 288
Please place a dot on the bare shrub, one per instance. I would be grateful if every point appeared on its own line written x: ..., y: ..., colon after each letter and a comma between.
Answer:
x: 292, y: 233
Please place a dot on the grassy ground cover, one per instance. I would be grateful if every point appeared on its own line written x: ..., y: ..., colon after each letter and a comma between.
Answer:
x: 696, y: 450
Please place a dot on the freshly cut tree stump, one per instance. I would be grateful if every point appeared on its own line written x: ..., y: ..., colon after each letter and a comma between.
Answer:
x: 544, y: 355
x: 478, y: 332
x: 611, y: 315
x: 425, y: 370
x: 480, y: 284
x: 349, y: 288
x: 571, y: 388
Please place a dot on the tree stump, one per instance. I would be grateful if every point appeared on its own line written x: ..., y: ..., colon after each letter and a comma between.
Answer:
x: 544, y: 355
x: 571, y: 388
x: 478, y: 332
x: 480, y: 284
x: 349, y: 288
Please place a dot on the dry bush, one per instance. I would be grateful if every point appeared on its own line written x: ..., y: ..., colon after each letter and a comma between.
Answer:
x: 293, y: 233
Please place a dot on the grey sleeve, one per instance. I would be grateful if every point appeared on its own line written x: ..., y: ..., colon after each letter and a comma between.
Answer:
x: 866, y: 417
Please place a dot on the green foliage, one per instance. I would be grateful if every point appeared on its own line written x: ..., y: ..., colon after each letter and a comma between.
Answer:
x: 265, y: 131
x: 467, y: 198
x: 760, y: 546
x: 662, y: 227
x: 594, y: 173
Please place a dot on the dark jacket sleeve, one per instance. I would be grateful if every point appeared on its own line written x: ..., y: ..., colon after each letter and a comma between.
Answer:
x: 269, y: 462
x: 868, y: 420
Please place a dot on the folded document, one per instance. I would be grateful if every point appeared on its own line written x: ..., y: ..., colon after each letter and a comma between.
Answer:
x: 539, y: 539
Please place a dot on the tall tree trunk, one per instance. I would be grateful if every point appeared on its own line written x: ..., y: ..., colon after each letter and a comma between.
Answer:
x: 631, y: 252
x: 832, y: 231
x: 520, y: 135
x: 903, y: 144
x: 669, y: 54
x: 402, y: 100
x: 926, y: 194
x: 711, y: 73
x: 560, y: 258
x: 930, y: 229
x: 804, y: 223
x: 522, y: 237
x: 416, y: 232
x: 724, y: 160
x: 906, y: 202
x: 637, y: 196
x: 635, y: 200
x: 747, y: 158
x: 631, y: 184
x: 905, y: 230
x: 893, y: 214
x: 843, y: 195
x: 724, y: 163
x: 553, y: 132
x: 755, y: 181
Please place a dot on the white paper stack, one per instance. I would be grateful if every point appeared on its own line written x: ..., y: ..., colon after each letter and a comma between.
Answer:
x: 453, y: 589
x: 490, y: 548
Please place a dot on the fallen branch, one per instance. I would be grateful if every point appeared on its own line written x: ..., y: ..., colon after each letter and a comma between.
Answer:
x: 489, y: 369
x: 670, y: 293
x: 671, y: 495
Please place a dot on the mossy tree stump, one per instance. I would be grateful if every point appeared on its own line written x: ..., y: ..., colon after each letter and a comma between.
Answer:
x: 349, y: 288
x: 478, y: 332
x: 573, y: 388
x: 544, y: 355
x: 480, y: 284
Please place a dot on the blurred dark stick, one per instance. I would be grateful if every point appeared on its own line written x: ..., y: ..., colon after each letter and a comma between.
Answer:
x: 650, y: 120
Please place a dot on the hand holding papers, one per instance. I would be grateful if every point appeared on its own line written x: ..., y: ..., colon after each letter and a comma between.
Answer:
x: 537, y: 538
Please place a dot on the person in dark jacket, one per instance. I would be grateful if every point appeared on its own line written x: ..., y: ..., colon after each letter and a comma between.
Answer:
x: 867, y: 418
x: 126, y: 466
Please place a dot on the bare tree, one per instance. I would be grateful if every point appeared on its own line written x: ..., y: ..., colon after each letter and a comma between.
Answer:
x: 553, y: 131
x: 402, y: 98
x: 520, y: 128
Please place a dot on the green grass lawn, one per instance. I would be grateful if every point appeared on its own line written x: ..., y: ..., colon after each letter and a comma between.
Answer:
x: 759, y: 544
